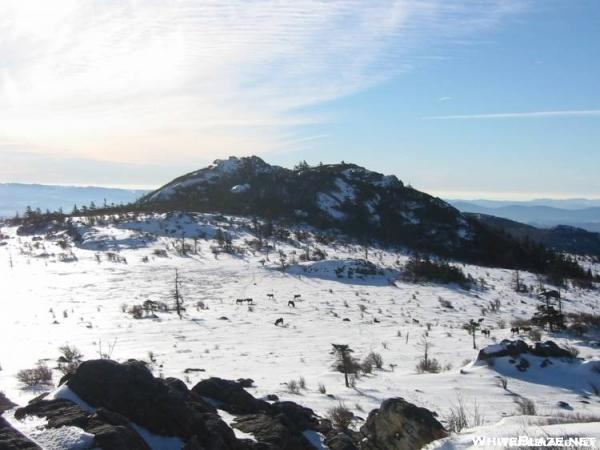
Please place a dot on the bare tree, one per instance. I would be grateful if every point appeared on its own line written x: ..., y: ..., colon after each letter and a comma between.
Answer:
x: 177, y: 296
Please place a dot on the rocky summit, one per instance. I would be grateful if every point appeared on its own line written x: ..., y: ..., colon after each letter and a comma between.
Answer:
x: 361, y: 203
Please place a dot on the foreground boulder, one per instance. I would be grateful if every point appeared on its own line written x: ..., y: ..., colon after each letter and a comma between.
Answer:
x: 113, y: 401
x: 164, y: 407
x: 110, y: 429
x: 116, y: 399
x: 124, y: 395
x: 400, y: 425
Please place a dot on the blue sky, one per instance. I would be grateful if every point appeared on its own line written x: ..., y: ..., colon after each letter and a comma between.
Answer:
x: 494, y: 99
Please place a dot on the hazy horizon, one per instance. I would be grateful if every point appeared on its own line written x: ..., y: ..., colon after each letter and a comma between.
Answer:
x: 464, y: 196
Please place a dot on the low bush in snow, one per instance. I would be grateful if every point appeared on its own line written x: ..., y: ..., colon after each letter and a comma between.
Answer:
x: 525, y: 406
x: 429, y: 365
x: 41, y: 374
x: 341, y: 417
x: 375, y: 359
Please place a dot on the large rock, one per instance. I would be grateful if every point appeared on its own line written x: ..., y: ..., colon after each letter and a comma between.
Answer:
x: 399, y: 425
x: 11, y: 439
x: 340, y: 441
x: 164, y: 407
x: 281, y: 426
x: 278, y: 431
x: 550, y: 349
x: 230, y: 396
x: 300, y: 417
x: 111, y: 430
x: 128, y: 393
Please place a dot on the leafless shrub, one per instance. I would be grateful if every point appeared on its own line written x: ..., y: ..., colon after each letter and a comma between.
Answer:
x: 429, y: 365
x: 525, y: 406
x: 302, y: 383
x: 293, y: 387
x: 69, y: 359
x: 341, y: 417
x: 375, y: 359
x: 458, y: 418
x: 366, y: 367
x: 41, y: 374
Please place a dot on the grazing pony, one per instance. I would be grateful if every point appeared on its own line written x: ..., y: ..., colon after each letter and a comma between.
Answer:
x: 279, y: 322
x: 291, y: 303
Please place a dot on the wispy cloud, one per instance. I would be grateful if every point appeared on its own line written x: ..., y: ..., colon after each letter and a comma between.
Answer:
x: 155, y: 80
x: 520, y: 115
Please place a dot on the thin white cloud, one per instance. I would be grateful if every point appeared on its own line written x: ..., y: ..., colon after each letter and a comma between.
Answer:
x: 519, y: 115
x: 154, y: 80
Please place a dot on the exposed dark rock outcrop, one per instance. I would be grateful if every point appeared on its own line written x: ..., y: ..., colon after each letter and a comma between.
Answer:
x: 5, y: 403
x: 121, y: 398
x: 230, y: 396
x: 340, y: 441
x: 126, y: 394
x: 11, y: 439
x: 111, y: 430
x: 519, y: 347
x: 276, y: 430
x: 164, y: 407
x: 400, y: 425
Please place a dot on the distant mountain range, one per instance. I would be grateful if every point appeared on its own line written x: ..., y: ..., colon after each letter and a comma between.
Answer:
x: 15, y: 197
x: 562, y: 237
x: 539, y: 213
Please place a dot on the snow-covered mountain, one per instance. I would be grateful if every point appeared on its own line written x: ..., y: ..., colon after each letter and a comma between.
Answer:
x: 363, y: 204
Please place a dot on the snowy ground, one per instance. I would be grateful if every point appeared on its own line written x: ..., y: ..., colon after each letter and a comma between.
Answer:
x: 46, y: 303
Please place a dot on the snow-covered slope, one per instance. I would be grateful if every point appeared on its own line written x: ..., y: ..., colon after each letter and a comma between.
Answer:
x: 55, y: 292
x: 362, y: 203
